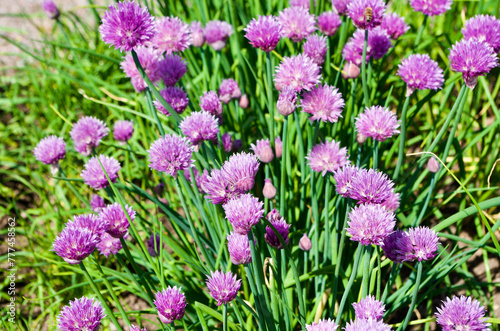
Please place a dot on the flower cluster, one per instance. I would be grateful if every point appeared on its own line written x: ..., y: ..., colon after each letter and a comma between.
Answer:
x: 431, y: 7
x: 264, y: 33
x: 297, y: 23
x: 200, y: 126
x: 81, y: 314
x: 324, y: 102
x: 419, y: 243
x: 171, y: 304
x: 217, y: 33
x: 50, y: 150
x: 263, y: 151
x: 327, y: 157
x: 378, y: 44
x: 328, y: 23
x: 297, y: 72
x: 171, y: 154
x: 378, y: 123
x: 279, y: 223
x: 87, y: 134
x: 370, y: 224
x: 172, y: 35
x: 419, y: 71
x: 366, y: 14
x: 223, y: 287
x: 229, y: 90
x: 462, y: 313
x: 98, y: 169
x: 149, y: 58
x: 243, y: 212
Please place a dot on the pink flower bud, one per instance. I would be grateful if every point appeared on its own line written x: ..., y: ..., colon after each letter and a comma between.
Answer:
x: 350, y: 71
x: 244, y: 101
x: 278, y: 147
x: 360, y: 138
x: 305, y: 243
x: 433, y: 165
x: 269, y: 190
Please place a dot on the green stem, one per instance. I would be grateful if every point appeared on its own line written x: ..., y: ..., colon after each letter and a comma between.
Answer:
x: 418, y: 219
x: 270, y: 105
x: 375, y: 154
x: 153, y: 111
x: 392, y: 278
x: 224, y: 317
x: 366, y: 271
x: 302, y: 161
x: 402, y: 138
x: 363, y: 72
x: 420, y: 32
x: 339, y: 255
x: 283, y: 169
x: 327, y: 221
x: 414, y: 299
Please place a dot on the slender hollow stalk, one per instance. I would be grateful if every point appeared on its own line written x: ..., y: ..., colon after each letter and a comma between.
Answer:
x: 327, y: 220
x: 270, y: 103
x: 283, y: 168
x: 414, y: 299
x: 402, y: 139
x: 339, y: 255
x: 420, y: 32
x: 366, y: 271
x: 224, y: 317
x: 302, y: 161
x: 364, y: 79
x: 376, y: 145
x: 392, y: 277
x: 418, y: 219
x: 153, y: 111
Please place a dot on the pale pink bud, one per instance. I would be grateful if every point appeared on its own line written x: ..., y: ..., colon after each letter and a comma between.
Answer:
x: 433, y: 165
x: 360, y: 138
x: 350, y: 71
x: 244, y: 101
x: 269, y: 190
x: 278, y: 147
x: 305, y: 243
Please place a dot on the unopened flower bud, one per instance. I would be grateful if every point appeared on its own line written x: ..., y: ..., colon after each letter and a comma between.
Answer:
x: 263, y: 150
x: 360, y: 138
x: 350, y: 71
x: 244, y: 101
x: 305, y: 243
x: 433, y: 165
x: 269, y: 190
x: 50, y: 9
x: 278, y: 147
x: 287, y: 101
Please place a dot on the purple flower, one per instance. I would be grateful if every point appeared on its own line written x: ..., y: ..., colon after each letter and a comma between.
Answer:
x: 287, y: 101
x: 264, y: 33
x: 109, y: 245
x: 391, y: 244
x: 419, y: 243
x: 197, y: 34
x: 369, y: 308
x: 50, y: 150
x: 172, y: 35
x: 327, y: 157
x: 344, y: 178
x: 278, y: 147
x: 263, y: 150
x: 93, y: 174
x: 395, y: 25
x: 431, y: 7
x: 149, y: 59
x: 171, y: 69
x: 298, y: 72
x: 117, y: 223
x: 244, y: 212
x: 127, y: 26
x: 485, y: 28
x: 340, y: 6
x: 269, y: 191
x: 281, y: 226
x: 297, y: 23
x: 370, y: 224
x: 211, y: 103
x: 217, y: 33
x: 378, y: 123
x: 171, y: 154
x: 87, y: 134
x: 81, y: 314
x: 171, y: 304
x: 472, y: 58
x: 301, y: 3
x: 227, y: 142
x: 218, y: 187
x: 392, y: 202
x: 305, y: 243
x: 240, y: 170
x: 97, y: 203
x: 329, y: 22
x: 88, y: 221
x: 366, y: 14
x: 228, y: 90
x: 462, y: 313
x: 371, y: 186
x: 123, y: 130
x: 419, y: 71
x: 223, y: 287
x: 315, y: 47
x: 136, y: 328
x: 200, y: 126
x: 153, y: 244
x: 378, y: 44
x: 175, y: 97
x: 50, y: 9
x: 324, y: 102
x: 367, y: 324
x: 239, y: 248
x: 322, y: 325
x: 74, y: 244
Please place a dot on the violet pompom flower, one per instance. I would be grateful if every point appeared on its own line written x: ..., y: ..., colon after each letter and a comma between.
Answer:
x: 297, y: 23
x: 217, y: 33
x: 74, y: 244
x: 395, y: 25
x: 485, y: 28
x: 378, y: 44
x: 322, y: 325
x: 149, y: 58
x: 197, y: 34
x: 127, y: 25
x: 123, y: 130
x: 238, y: 246
x: 88, y: 221
x: 264, y: 33
x: 392, y: 202
x: 50, y: 150
x: 240, y: 170
x: 281, y: 226
x: 367, y: 324
x: 263, y: 150
x: 327, y: 157
x: 340, y: 6
x: 301, y: 3
x: 371, y: 186
x: 171, y: 69
x: 472, y: 58
x: 228, y: 90
x: 366, y: 14
x: 370, y: 224
x: 315, y: 47
x: 343, y: 179
x: 211, y: 103
x: 200, y: 126
x: 391, y: 244
x: 97, y: 203
x: 218, y: 187
x: 81, y: 314
x: 172, y: 35
x: 153, y: 244
x: 369, y: 308
x: 431, y: 7
x: 462, y: 313
x: 278, y: 147
x: 420, y: 243
x: 329, y: 22
x: 171, y: 304
x: 171, y: 154
x: 117, y: 223
x: 244, y: 212
x: 227, y: 142
x: 298, y: 72
x: 378, y: 123
x: 175, y: 97
x: 93, y: 174
x: 324, y: 102
x: 287, y: 101
x: 419, y: 71
x: 87, y: 134
x: 109, y: 245
x: 50, y: 9
x: 223, y: 287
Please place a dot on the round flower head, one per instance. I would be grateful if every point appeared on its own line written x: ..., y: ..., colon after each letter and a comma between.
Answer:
x: 264, y: 33
x: 175, y: 97
x: 239, y: 248
x: 298, y: 72
x: 462, y: 313
x: 240, y: 170
x: 281, y: 226
x: 287, y: 101
x: 370, y: 224
x: 109, y: 245
x: 343, y: 179
x: 50, y: 150
x: 88, y: 221
x: 297, y: 23
x: 392, y: 202
x: 367, y: 324
x: 419, y: 71
x: 218, y: 187
x: 327, y: 157
x: 211, y: 103
x: 324, y: 102
x: 126, y: 26
x: 116, y: 221
x: 153, y: 244
x: 217, y: 33
x: 136, y: 328
x: 149, y: 59
x: 301, y: 3
x: 200, y: 126
x: 378, y: 123
x: 197, y: 34
x: 123, y: 130
x: 50, y: 9
x: 81, y: 314
x: 87, y: 134
x: 340, y: 6
x: 431, y: 7
x: 97, y: 203
x: 395, y: 25
x: 171, y: 69
x: 263, y: 150
x: 172, y: 35
x: 419, y: 243
x: 244, y: 212
x: 93, y: 174
x: 171, y: 304
x: 366, y: 14
x: 472, y: 58
x: 278, y: 146
x: 485, y: 28
x: 228, y: 90
x: 371, y: 186
x: 315, y: 47
x: 322, y: 325
x: 378, y: 44
x: 269, y: 191
x: 369, y: 308
x: 329, y: 22
x: 227, y: 142
x: 170, y: 154
x: 74, y: 244
x: 223, y: 287
x: 391, y: 245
